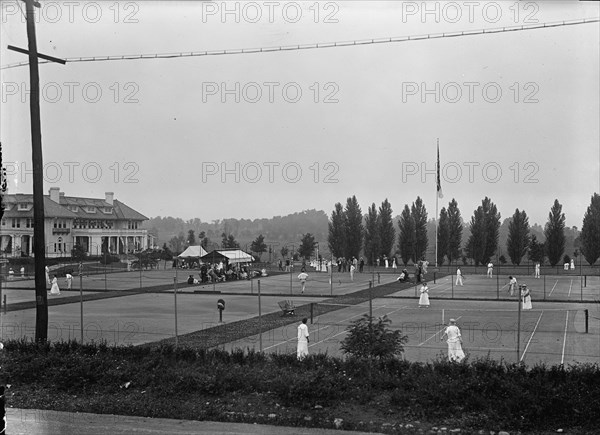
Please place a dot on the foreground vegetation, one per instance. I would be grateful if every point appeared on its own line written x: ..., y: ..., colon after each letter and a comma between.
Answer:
x: 366, y: 394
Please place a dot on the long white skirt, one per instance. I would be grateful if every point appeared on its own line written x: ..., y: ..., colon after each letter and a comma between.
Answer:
x: 55, y: 290
x: 424, y: 300
x: 455, y: 352
x: 527, y: 303
x: 302, y: 349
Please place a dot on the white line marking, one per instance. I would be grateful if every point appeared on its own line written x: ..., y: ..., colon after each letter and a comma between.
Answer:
x: 532, y: 334
x: 570, y: 287
x: 553, y: 287
x: 562, y: 358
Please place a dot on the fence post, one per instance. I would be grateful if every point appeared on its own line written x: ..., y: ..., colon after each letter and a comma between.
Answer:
x: 175, y: 297
x: 434, y: 277
x: 544, y: 287
x: 378, y: 278
x: 312, y: 306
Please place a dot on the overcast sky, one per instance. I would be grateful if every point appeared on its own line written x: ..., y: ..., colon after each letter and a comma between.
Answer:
x: 258, y: 135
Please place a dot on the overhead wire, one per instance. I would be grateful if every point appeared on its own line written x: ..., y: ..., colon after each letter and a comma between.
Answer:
x: 319, y: 45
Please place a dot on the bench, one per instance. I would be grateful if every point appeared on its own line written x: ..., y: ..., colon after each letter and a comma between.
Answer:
x: 287, y: 307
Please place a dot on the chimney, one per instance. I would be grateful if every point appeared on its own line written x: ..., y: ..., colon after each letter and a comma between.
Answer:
x: 108, y: 197
x: 54, y: 194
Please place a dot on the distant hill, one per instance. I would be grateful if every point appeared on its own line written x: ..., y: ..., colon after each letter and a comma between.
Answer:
x: 276, y: 230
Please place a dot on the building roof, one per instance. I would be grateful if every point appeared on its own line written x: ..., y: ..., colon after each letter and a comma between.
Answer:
x: 119, y: 211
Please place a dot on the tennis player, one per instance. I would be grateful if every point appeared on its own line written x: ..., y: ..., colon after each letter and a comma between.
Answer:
x: 302, y: 350
x: 455, y: 352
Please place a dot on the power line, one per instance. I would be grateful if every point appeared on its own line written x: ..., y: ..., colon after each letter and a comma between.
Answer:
x: 322, y: 45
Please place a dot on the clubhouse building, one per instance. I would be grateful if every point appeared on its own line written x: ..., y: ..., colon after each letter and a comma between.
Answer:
x: 98, y: 226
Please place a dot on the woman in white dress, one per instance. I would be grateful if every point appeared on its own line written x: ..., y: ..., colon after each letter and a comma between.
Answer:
x: 526, y: 296
x: 424, y: 299
x: 55, y: 290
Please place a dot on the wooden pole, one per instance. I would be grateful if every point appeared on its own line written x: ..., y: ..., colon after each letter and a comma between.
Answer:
x: 39, y: 247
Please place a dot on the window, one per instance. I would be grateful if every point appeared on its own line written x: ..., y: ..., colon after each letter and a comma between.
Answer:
x: 29, y: 223
x: 22, y: 206
x: 90, y: 209
x: 3, y: 222
x: 74, y: 208
x: 16, y: 223
x: 107, y: 210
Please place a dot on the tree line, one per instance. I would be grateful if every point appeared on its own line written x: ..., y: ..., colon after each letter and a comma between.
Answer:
x: 373, y: 235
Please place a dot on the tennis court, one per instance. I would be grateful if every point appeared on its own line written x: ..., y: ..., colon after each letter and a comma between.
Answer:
x: 547, y: 287
x: 547, y: 334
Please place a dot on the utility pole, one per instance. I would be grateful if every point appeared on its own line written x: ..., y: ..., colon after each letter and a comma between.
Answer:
x: 39, y: 245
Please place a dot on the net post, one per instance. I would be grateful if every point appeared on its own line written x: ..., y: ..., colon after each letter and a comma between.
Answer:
x: 312, y: 305
x: 544, y: 287
x: 378, y: 278
x: 452, y: 282
x: 434, y: 277
x: 587, y: 319
x: 585, y: 280
x: 498, y: 285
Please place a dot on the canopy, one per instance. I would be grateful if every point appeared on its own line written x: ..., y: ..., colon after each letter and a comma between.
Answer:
x: 231, y: 256
x: 193, y: 252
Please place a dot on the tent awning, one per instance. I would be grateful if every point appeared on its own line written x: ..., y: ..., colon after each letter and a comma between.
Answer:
x: 233, y: 256
x: 193, y: 252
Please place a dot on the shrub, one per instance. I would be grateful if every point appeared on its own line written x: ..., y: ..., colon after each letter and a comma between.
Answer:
x: 373, y: 339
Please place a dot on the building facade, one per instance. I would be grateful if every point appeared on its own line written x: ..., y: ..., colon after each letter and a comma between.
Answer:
x: 98, y: 226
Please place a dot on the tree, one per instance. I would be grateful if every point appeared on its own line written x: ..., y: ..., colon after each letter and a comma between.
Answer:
x: 259, y: 246
x: 307, y: 246
x: 387, y: 233
x: 419, y: 216
x: 372, y: 241
x: 485, y: 224
x: 336, y: 240
x: 284, y: 252
x: 518, y: 236
x: 590, y: 231
x: 177, y: 243
x: 191, y: 239
x: 502, y: 259
x: 554, y: 231
x: 455, y: 229
x: 371, y: 339
x: 204, y: 241
x: 443, y: 236
x: 229, y: 242
x: 78, y: 253
x: 536, y: 250
x: 406, y: 237
x: 354, y: 228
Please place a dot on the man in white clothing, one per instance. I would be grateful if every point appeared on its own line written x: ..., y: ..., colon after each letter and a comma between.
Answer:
x: 459, y: 280
x: 455, y: 352
x: 490, y: 270
x: 302, y: 350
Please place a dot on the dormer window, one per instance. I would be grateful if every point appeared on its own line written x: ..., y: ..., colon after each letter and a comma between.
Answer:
x: 23, y: 206
x: 107, y: 210
x: 90, y: 209
x: 74, y: 208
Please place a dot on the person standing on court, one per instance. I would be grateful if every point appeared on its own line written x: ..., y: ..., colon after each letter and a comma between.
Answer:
x: 302, y: 350
x: 302, y: 277
x: 55, y: 290
x: 537, y: 270
x: 459, y: 280
x: 526, y: 297
x: 490, y: 271
x: 352, y: 269
x: 512, y: 285
x: 69, y: 278
x: 361, y: 265
x: 455, y: 352
x: 424, y: 299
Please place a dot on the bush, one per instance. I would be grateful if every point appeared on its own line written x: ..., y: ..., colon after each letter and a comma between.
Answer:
x: 373, y: 339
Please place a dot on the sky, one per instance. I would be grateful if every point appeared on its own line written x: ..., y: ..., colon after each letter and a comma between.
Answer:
x: 516, y: 113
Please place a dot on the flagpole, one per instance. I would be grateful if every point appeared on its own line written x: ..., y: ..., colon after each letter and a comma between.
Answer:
x: 437, y: 194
